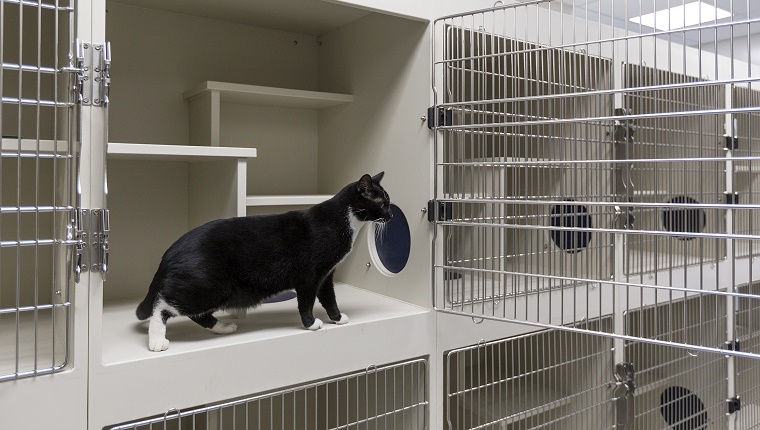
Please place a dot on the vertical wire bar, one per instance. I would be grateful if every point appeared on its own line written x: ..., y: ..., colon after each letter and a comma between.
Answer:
x: 37, y: 187
x: 18, y: 188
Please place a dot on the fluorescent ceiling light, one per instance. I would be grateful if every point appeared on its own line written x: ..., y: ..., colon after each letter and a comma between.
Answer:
x: 681, y: 16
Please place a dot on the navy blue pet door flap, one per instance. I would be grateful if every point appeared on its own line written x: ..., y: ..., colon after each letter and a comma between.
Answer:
x: 390, y: 243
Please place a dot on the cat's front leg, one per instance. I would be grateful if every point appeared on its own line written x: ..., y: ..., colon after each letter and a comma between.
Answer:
x: 307, y: 294
x: 326, y: 297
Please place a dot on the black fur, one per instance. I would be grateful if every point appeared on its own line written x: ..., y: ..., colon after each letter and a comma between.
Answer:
x: 237, y: 263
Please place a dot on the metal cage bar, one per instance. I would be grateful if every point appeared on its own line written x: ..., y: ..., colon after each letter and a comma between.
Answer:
x: 37, y: 157
x: 588, y: 167
x: 382, y: 397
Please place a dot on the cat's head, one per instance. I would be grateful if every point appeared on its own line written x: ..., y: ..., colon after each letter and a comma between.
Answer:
x: 371, y: 202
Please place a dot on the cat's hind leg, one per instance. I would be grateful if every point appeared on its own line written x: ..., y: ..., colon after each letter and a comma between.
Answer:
x: 210, y: 322
x: 157, y: 328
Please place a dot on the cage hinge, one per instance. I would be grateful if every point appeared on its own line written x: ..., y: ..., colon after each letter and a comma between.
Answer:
x: 443, y: 117
x: 93, y: 74
x: 92, y: 228
x: 732, y: 142
x: 732, y: 345
x: 733, y: 404
x: 441, y: 212
x: 732, y: 198
x: 625, y: 387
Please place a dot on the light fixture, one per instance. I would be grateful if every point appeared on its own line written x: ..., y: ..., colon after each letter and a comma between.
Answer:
x: 681, y: 16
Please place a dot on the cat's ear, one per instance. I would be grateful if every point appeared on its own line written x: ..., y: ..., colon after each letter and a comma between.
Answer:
x: 379, y: 177
x: 364, y: 184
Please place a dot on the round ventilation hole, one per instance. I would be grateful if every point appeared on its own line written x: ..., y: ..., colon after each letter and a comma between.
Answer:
x: 390, y: 243
x: 571, y: 216
x: 682, y: 409
x: 684, y: 220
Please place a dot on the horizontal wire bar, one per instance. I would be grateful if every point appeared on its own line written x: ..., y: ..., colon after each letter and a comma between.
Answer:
x: 27, y: 68
x: 34, y: 102
x: 40, y: 5
x: 35, y: 209
x: 607, y: 334
x: 598, y: 120
x: 37, y: 242
x: 520, y: 161
x: 26, y: 154
x: 33, y: 308
x: 525, y: 202
x: 35, y: 372
x: 630, y: 91
x: 584, y: 281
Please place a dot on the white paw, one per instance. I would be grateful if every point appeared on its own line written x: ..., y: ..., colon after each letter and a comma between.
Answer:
x: 343, y: 320
x: 317, y: 325
x: 224, y: 327
x: 158, y: 344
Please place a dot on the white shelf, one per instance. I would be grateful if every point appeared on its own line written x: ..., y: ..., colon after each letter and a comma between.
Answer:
x: 140, y: 151
x: 270, y: 349
x: 125, y: 339
x: 268, y: 96
x: 286, y: 200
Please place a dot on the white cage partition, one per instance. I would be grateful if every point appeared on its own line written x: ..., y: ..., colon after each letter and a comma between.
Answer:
x: 547, y: 380
x: 379, y: 397
x: 37, y: 165
x: 582, y: 168
x: 747, y: 369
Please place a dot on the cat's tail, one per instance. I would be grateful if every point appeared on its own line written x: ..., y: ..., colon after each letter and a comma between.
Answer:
x: 145, y: 308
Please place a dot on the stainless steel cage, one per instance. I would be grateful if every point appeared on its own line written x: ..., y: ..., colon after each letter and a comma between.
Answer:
x: 550, y: 379
x: 37, y: 170
x: 382, y: 397
x: 594, y: 166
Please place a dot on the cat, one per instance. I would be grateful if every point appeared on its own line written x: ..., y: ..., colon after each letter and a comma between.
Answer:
x: 236, y: 263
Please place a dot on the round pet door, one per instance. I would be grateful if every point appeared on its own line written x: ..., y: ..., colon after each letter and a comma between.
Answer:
x: 684, y: 220
x: 390, y: 243
x: 570, y: 216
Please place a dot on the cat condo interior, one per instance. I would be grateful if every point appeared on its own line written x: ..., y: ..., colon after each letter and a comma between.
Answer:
x: 597, y: 176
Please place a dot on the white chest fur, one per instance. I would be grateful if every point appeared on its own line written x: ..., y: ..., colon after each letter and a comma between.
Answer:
x: 355, y: 226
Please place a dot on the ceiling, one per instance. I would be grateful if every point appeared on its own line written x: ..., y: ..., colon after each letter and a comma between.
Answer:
x: 618, y: 13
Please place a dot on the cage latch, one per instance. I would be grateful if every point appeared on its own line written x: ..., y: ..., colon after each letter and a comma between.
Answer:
x: 734, y: 404
x: 93, y: 83
x: 732, y: 345
x: 440, y: 212
x: 623, y: 395
x: 439, y: 117
x: 92, y: 228
x: 732, y: 198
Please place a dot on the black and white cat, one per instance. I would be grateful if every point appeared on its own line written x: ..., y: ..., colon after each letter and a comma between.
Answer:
x: 236, y: 263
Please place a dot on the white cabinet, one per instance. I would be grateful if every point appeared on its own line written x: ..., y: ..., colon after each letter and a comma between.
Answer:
x: 219, y: 111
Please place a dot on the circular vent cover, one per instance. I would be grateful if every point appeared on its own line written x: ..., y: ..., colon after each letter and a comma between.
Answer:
x: 390, y: 243
x: 682, y: 409
x: 571, y: 216
x: 684, y: 220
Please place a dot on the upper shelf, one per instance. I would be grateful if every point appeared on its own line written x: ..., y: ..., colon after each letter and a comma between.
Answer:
x: 268, y: 96
x: 139, y: 151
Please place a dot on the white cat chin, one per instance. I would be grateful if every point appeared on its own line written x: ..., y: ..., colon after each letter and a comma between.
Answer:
x: 317, y: 325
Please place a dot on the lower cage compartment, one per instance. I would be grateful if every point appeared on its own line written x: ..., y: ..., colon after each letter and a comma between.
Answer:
x: 549, y: 380
x: 383, y: 397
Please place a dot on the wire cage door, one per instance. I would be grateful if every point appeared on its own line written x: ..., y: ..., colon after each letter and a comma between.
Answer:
x: 37, y: 174
x: 588, y: 166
